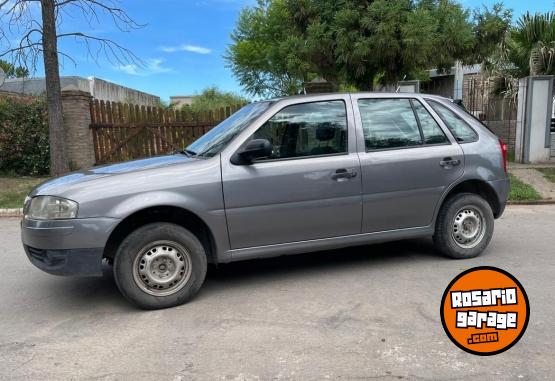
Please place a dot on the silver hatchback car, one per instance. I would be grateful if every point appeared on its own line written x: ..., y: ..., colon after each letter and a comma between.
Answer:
x: 283, y: 176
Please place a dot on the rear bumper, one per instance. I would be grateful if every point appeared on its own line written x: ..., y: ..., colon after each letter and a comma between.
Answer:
x: 67, y: 247
x: 501, y: 188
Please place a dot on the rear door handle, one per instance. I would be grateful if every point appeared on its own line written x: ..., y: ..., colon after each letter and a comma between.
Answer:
x: 449, y: 162
x: 343, y: 174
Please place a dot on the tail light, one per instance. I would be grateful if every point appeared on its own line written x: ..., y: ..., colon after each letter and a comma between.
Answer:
x: 503, y: 147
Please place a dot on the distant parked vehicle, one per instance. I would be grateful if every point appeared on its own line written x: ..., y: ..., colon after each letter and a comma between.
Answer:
x: 284, y: 176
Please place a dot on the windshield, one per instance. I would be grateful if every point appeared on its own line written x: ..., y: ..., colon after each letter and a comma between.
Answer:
x: 215, y: 140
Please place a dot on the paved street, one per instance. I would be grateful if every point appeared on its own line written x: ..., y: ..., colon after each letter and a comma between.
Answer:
x: 363, y: 313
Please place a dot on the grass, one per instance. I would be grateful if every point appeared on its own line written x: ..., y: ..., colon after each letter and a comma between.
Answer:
x: 549, y: 173
x: 14, y: 189
x: 511, y: 156
x: 521, y: 191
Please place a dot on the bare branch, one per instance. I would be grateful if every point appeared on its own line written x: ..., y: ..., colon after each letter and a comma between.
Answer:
x: 18, y: 20
x: 113, y: 51
x: 89, y: 10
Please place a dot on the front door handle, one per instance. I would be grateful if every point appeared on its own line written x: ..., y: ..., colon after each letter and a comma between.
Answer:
x: 448, y: 162
x: 343, y: 174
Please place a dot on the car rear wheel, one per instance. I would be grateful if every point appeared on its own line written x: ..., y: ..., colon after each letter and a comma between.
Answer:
x: 160, y: 265
x: 464, y: 226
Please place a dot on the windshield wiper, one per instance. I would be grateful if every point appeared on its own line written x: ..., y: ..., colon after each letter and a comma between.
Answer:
x: 190, y: 153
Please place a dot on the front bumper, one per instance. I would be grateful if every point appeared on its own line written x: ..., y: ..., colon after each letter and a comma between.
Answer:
x: 67, y: 247
x: 85, y: 262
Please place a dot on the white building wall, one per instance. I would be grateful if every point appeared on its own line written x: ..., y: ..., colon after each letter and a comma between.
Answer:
x: 99, y: 89
x: 540, y: 117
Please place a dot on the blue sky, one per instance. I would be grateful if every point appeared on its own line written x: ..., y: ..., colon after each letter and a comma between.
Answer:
x: 183, y: 42
x: 182, y: 46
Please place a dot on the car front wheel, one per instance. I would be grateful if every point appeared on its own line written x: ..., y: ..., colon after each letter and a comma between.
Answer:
x: 160, y: 265
x: 464, y: 226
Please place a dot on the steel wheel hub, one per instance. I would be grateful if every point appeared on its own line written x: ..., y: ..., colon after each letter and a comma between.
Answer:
x: 162, y: 268
x: 468, y: 227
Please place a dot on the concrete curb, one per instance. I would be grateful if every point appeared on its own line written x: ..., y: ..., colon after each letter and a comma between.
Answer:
x: 18, y: 212
x: 532, y: 202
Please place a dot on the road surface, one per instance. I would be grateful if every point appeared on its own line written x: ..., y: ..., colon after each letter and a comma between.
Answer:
x: 369, y: 312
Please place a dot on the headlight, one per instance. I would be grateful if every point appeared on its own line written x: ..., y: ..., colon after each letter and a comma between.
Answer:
x: 51, y: 208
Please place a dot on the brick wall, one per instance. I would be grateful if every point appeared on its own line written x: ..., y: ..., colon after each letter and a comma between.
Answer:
x: 505, y: 129
x: 78, y: 136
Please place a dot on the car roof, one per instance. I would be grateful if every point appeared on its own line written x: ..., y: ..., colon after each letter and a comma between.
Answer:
x: 369, y: 93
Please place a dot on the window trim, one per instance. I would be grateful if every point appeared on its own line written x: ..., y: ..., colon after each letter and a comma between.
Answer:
x: 477, y: 138
x: 262, y: 161
x: 448, y: 142
x: 410, y: 99
x: 417, y: 118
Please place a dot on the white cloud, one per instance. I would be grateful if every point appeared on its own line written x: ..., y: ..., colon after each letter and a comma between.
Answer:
x: 130, y: 69
x: 150, y: 67
x: 186, y: 48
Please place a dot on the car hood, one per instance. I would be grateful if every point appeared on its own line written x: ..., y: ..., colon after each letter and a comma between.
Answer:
x: 54, y: 186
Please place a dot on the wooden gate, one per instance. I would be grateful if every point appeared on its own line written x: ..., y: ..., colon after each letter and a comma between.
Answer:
x: 125, y: 132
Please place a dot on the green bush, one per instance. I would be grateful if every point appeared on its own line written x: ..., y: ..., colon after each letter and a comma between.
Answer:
x: 211, y: 99
x: 24, y: 145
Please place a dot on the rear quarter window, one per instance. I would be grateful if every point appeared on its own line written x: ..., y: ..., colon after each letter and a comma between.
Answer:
x: 461, y: 130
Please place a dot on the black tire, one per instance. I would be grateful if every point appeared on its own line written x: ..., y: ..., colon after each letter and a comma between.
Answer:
x: 444, y: 239
x: 134, y: 245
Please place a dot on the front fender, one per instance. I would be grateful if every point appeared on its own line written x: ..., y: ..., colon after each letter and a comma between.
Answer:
x: 140, y: 201
x: 213, y: 217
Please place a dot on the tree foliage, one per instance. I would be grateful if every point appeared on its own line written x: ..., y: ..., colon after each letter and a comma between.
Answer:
x: 278, y: 45
x: 516, y: 51
x: 24, y: 146
x: 531, y: 46
x: 263, y: 53
x: 12, y: 71
x: 491, y: 30
x: 212, y: 98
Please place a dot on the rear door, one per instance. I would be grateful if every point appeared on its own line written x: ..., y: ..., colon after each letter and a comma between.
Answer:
x: 407, y: 162
x: 310, y: 188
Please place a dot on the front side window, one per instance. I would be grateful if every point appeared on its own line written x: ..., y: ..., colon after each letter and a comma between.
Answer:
x: 458, y: 127
x: 308, y: 129
x: 215, y: 140
x: 389, y: 123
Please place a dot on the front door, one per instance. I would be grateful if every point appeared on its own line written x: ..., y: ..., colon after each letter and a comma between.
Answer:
x: 407, y: 163
x: 309, y: 188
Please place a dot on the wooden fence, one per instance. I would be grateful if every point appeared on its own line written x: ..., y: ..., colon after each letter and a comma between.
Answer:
x: 125, y: 131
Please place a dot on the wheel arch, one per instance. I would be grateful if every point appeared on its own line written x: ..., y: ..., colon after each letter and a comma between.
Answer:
x: 162, y: 213
x: 475, y: 186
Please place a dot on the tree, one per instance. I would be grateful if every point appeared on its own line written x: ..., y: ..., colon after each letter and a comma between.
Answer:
x: 527, y: 48
x: 12, y: 71
x: 212, y: 98
x: 491, y: 29
x: 262, y: 55
x: 280, y: 44
x: 38, y: 36
x: 531, y: 46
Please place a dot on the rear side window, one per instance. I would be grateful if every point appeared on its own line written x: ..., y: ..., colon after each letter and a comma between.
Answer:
x: 433, y: 134
x: 389, y: 123
x: 458, y: 127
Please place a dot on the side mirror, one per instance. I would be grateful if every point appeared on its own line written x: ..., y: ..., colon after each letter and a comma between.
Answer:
x: 255, y: 149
